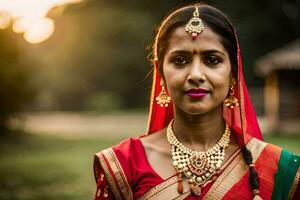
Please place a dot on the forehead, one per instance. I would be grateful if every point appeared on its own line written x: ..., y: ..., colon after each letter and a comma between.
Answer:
x: 179, y: 39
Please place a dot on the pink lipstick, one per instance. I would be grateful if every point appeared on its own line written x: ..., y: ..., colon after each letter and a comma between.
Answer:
x: 197, y: 92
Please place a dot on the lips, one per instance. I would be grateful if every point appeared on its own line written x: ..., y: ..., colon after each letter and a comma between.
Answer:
x: 197, y: 92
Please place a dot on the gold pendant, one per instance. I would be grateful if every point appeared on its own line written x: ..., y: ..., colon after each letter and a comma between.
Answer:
x: 198, y: 166
x: 195, y: 25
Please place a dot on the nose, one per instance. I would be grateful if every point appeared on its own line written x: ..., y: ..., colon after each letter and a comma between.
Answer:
x: 196, y: 73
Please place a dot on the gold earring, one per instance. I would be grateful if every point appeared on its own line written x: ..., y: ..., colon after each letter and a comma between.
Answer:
x: 231, y: 101
x: 163, y: 98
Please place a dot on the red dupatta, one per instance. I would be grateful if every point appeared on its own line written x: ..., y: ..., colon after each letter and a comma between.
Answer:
x: 242, y: 118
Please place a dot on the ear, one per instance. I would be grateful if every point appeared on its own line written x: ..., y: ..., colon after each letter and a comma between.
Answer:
x: 162, y: 82
x: 232, y: 80
x: 159, y: 67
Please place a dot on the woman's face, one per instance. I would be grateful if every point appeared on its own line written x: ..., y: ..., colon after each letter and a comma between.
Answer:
x: 197, y: 72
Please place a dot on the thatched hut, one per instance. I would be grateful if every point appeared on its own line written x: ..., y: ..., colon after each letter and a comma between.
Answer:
x: 281, y: 69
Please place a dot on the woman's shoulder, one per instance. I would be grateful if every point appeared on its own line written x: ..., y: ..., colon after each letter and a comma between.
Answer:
x: 114, y: 163
x: 274, y: 158
x: 134, y: 147
x: 270, y: 151
x: 155, y: 141
x: 122, y: 150
x: 276, y: 165
x: 256, y: 145
x: 118, y: 159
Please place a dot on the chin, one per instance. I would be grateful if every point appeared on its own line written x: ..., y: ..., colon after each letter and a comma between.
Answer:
x: 195, y: 110
x: 198, y: 108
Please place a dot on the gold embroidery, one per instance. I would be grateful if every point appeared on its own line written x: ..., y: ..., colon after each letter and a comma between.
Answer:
x: 167, y: 190
x: 151, y: 101
x: 169, y: 187
x: 235, y: 171
x: 98, y: 192
x: 294, y: 185
x: 109, y: 176
x: 243, y: 119
x: 105, y: 194
x: 159, y: 187
x: 101, y: 177
x: 119, y: 173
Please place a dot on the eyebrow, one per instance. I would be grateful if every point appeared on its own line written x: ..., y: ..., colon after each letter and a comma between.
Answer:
x: 205, y: 52
x: 180, y: 52
x: 213, y: 51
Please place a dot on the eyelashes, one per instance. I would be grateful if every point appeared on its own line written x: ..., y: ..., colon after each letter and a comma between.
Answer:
x: 179, y: 60
x: 209, y: 60
x: 212, y: 60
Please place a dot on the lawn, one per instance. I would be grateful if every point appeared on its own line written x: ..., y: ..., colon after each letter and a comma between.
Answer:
x: 45, y: 167
x: 42, y: 167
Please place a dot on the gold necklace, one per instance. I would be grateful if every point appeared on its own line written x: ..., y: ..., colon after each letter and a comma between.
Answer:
x: 199, y: 167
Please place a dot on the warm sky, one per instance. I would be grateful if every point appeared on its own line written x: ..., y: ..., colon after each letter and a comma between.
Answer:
x: 29, y: 17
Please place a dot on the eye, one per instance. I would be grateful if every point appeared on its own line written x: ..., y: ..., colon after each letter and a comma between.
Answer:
x: 180, y: 60
x: 212, y: 60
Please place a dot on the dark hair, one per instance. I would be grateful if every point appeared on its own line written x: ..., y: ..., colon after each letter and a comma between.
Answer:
x: 212, y: 17
x: 219, y: 23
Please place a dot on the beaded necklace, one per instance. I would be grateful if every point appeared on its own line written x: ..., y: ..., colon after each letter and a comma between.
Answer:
x: 199, y: 167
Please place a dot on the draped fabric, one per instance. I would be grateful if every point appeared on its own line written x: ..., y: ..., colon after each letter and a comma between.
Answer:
x: 123, y: 172
x: 159, y: 117
x: 242, y: 118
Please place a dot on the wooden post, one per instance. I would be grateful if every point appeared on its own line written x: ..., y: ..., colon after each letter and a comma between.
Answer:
x: 271, y: 101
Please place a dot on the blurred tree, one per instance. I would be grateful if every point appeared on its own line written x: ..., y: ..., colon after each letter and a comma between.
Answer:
x: 15, y: 88
x: 96, y: 58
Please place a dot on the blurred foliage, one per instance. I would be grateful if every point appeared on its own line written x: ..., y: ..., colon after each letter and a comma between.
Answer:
x: 96, y: 58
x: 16, y: 89
x: 103, y: 102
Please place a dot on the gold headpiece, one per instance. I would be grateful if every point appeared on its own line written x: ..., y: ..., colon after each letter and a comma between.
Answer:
x: 195, y: 25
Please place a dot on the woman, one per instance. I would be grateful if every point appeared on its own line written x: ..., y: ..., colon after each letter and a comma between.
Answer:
x: 203, y: 139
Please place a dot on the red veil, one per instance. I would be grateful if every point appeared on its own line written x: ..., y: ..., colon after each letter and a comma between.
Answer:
x: 242, y: 118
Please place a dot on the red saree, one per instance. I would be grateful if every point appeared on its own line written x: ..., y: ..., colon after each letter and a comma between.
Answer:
x: 123, y: 172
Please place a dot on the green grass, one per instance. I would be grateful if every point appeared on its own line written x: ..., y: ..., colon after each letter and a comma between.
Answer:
x: 42, y: 167
x: 289, y: 142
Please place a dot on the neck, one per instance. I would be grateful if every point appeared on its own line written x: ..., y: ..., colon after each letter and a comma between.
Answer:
x: 199, y: 132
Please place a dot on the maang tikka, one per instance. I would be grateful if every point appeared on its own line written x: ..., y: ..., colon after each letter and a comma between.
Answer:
x: 231, y: 101
x: 195, y: 25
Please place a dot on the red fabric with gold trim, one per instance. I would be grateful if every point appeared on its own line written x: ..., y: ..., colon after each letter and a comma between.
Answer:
x: 103, y: 191
x: 267, y: 165
x: 159, y: 117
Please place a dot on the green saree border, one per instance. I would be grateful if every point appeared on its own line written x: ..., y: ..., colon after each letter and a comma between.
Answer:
x: 287, y: 169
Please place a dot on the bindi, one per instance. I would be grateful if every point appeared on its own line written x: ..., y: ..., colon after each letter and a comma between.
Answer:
x: 194, y: 52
